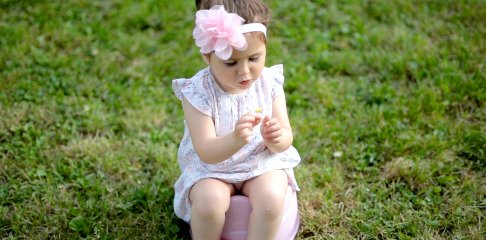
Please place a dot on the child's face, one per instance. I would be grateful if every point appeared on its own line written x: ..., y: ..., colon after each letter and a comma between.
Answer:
x: 242, y: 69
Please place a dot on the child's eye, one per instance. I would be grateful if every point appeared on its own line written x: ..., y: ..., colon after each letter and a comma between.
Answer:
x: 230, y: 63
x: 254, y: 59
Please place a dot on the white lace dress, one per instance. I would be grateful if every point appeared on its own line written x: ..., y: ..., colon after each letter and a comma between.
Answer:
x: 253, y: 159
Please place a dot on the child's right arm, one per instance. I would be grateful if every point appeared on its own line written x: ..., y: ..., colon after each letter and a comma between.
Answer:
x: 211, y: 148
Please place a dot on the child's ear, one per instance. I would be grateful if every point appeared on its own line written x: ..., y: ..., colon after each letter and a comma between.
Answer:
x: 205, y: 58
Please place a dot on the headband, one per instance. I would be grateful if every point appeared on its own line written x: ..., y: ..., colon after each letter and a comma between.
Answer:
x: 219, y: 31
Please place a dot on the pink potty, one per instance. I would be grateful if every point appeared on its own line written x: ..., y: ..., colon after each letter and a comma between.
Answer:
x: 238, y: 214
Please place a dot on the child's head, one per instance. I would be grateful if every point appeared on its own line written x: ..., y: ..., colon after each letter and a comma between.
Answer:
x: 232, y: 37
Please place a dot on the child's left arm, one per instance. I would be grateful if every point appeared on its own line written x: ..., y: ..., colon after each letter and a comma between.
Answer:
x: 276, y: 131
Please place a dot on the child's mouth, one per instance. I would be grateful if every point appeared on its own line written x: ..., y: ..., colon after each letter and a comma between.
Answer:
x: 245, y: 82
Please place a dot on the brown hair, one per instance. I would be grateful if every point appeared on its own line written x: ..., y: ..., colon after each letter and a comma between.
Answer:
x: 253, y: 11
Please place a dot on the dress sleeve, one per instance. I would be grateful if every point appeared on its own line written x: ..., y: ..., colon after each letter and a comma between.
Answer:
x: 193, y: 91
x: 276, y: 74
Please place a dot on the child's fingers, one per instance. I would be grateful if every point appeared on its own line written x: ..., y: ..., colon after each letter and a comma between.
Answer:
x: 246, y: 135
x: 273, y: 137
x: 265, y: 120
x: 246, y: 118
x: 272, y: 121
x: 272, y: 124
x: 250, y: 118
x: 257, y: 120
x: 271, y: 131
x: 273, y: 128
x: 243, y: 126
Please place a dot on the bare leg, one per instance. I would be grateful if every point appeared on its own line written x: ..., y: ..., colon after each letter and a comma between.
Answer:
x: 267, y: 196
x: 210, y: 200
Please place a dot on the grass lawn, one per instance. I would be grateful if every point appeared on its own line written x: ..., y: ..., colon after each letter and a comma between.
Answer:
x: 386, y: 99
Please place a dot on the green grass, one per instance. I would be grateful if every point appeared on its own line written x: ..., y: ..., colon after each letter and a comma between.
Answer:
x: 89, y: 126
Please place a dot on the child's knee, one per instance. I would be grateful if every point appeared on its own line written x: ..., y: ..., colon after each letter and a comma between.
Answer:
x: 270, y: 203
x: 210, y: 204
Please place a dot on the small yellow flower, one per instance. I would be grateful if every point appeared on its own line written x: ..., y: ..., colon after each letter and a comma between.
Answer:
x: 258, y: 109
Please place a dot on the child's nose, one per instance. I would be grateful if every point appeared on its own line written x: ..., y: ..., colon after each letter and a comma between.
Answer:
x: 244, y: 68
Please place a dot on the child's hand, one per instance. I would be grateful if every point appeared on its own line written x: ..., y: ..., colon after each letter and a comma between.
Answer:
x: 244, y: 126
x: 271, y: 130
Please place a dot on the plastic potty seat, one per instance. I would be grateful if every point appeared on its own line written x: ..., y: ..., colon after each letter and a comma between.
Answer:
x: 238, y: 214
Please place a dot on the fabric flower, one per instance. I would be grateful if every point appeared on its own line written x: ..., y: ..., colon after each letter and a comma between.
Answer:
x: 217, y: 30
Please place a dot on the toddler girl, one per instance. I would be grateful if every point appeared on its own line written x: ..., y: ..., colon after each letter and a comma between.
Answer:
x: 237, y: 137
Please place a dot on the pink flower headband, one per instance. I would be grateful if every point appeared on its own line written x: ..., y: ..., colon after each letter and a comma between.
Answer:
x: 219, y: 31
